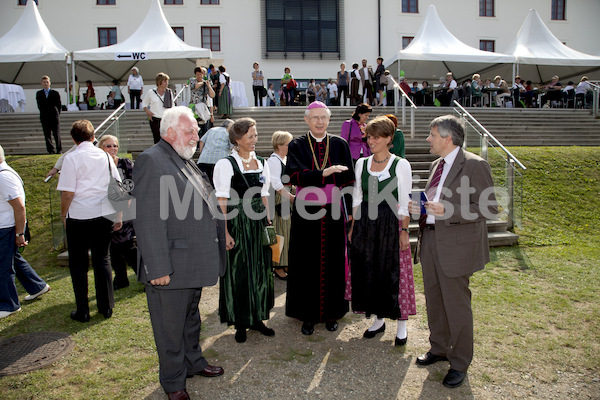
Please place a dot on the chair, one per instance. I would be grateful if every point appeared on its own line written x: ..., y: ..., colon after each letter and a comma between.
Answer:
x: 569, y: 98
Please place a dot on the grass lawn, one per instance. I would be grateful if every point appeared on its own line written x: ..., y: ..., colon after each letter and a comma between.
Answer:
x: 536, y: 305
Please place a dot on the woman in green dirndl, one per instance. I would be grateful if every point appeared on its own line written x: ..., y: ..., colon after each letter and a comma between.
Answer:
x: 241, y: 183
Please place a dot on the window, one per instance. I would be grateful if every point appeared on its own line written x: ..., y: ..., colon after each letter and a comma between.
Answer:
x: 406, y: 41
x: 107, y: 36
x: 209, y: 1
x: 410, y: 6
x: 487, y: 45
x: 24, y: 2
x: 106, y: 2
x: 178, y: 31
x: 558, y: 9
x: 211, y: 38
x: 486, y: 8
x: 168, y: 2
x: 308, y: 26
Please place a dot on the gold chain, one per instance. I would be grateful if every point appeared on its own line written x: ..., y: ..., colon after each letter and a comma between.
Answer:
x: 315, y: 157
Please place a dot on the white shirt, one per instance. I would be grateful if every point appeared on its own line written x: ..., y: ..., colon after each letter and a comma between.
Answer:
x: 85, y: 173
x: 224, y: 172
x: 271, y: 94
x: 332, y: 87
x: 582, y: 87
x: 448, y: 161
x: 403, y: 173
x: 154, y: 102
x: 11, y: 188
x: 135, y: 82
x: 275, y: 170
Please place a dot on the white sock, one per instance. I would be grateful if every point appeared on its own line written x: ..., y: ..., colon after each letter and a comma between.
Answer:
x: 402, y: 332
x: 378, y: 323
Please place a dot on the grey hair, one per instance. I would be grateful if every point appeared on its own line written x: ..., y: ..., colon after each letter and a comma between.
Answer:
x: 308, y: 111
x: 225, y: 124
x: 450, y: 125
x: 171, y: 117
x: 1, y: 155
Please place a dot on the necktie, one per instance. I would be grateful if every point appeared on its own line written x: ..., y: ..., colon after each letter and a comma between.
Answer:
x: 435, y: 181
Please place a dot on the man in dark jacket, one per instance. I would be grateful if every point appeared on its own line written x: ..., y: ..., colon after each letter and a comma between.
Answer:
x: 48, y: 102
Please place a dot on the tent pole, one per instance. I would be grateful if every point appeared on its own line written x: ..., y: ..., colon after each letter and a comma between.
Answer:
x: 67, y: 81
x: 73, y: 80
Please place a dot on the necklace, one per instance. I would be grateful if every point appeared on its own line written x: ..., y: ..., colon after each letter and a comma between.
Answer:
x: 322, y: 167
x: 382, y: 161
x: 246, y: 161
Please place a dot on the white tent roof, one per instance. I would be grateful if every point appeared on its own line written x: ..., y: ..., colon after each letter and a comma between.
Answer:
x: 163, y: 52
x: 29, y: 51
x: 545, y: 55
x: 435, y: 51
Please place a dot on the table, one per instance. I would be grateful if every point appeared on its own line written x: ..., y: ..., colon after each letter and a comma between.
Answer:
x: 11, y: 98
x: 238, y: 94
x: 490, y: 91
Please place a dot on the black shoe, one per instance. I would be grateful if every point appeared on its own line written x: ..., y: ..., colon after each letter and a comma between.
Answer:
x: 400, y: 342
x: 263, y: 329
x: 454, y: 378
x: 81, y: 317
x: 107, y: 314
x: 120, y: 284
x: 307, y: 328
x: 430, y: 358
x: 240, y: 335
x: 331, y: 326
x: 371, y: 334
x: 283, y: 278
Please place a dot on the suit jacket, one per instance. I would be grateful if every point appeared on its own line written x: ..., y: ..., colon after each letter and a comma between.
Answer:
x: 461, y: 239
x: 361, y: 74
x: 49, y: 106
x: 172, y: 237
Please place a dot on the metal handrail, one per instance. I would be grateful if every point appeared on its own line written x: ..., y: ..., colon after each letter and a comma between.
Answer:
x: 595, y: 103
x: 413, y: 107
x: 109, y: 117
x: 489, y: 135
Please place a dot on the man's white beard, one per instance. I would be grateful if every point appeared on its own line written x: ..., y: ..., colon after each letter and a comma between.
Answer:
x: 186, y: 152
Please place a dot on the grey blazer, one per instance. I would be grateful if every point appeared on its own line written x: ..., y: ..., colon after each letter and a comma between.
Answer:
x: 461, y: 239
x: 176, y: 233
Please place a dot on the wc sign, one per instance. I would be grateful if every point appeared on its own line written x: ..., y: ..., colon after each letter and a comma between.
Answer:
x: 132, y: 56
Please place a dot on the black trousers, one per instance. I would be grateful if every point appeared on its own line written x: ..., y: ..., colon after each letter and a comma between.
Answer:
x: 122, y: 254
x: 342, y: 90
x: 135, y: 96
x: 93, y: 235
x: 257, y: 90
x: 155, y: 128
x: 51, y: 127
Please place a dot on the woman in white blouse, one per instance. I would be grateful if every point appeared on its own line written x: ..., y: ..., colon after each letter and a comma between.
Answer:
x: 242, y: 186
x: 135, y: 87
x: 280, y: 141
x: 381, y: 266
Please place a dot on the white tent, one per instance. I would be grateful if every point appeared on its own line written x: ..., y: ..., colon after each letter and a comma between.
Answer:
x: 153, y: 48
x: 540, y: 54
x: 29, y: 51
x: 435, y: 51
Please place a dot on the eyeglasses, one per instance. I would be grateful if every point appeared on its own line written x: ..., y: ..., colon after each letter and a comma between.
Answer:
x: 111, y: 145
x: 323, y: 118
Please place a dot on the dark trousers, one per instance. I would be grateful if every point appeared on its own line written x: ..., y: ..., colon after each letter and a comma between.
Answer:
x: 51, y: 127
x: 122, y: 254
x: 290, y: 94
x: 176, y: 324
x: 342, y: 94
x: 449, y: 313
x: 208, y: 169
x: 257, y: 90
x: 93, y: 235
x: 155, y: 128
x: 135, y: 96
x: 368, y: 91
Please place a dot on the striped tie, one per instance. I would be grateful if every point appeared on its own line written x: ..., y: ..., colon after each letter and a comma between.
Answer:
x: 435, y: 181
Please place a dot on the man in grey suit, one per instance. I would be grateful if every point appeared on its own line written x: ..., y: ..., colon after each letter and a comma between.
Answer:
x: 181, y: 245
x: 453, y: 244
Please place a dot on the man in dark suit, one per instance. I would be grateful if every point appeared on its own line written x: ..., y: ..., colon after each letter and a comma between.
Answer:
x: 48, y: 102
x: 181, y: 245
x: 453, y: 244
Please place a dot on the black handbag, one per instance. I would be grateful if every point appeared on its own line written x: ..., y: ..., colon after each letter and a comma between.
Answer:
x: 116, y: 190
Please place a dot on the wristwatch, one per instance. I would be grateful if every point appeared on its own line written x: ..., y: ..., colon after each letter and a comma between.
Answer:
x: 19, y: 235
x: 404, y: 229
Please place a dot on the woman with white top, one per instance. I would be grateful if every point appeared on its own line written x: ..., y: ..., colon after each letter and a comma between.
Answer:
x: 156, y: 101
x: 85, y: 210
x: 135, y: 88
x: 280, y: 141
x: 381, y: 267
x: 246, y: 293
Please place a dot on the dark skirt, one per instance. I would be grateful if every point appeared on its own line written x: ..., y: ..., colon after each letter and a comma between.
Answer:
x: 246, y: 293
x: 381, y: 274
x: 317, y: 267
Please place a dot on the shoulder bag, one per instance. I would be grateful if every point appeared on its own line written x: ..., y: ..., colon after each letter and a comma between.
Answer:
x: 116, y: 189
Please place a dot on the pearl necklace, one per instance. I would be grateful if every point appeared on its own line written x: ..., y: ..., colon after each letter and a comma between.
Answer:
x: 246, y: 161
x: 382, y: 161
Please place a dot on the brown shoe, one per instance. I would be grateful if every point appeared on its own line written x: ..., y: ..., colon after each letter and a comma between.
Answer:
x: 210, y: 372
x: 179, y: 395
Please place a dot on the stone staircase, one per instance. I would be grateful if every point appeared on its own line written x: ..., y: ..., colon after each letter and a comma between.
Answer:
x: 21, y: 133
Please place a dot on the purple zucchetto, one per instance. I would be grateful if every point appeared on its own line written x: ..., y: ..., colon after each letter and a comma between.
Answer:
x: 316, y: 104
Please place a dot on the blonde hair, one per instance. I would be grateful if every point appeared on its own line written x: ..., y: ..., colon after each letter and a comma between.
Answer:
x: 160, y: 77
x: 104, y: 138
x: 476, y: 76
x: 280, y: 138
